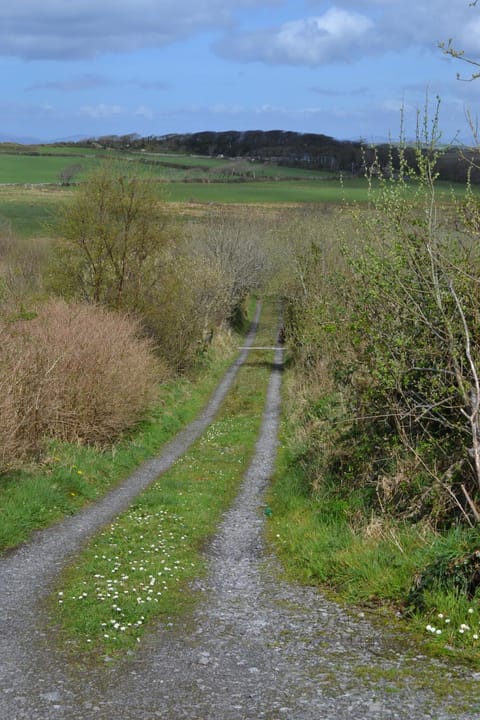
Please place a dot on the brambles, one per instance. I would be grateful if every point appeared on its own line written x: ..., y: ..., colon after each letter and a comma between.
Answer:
x: 393, y: 323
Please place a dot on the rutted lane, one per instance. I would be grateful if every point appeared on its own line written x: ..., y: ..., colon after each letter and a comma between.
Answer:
x: 26, y: 573
x: 255, y: 647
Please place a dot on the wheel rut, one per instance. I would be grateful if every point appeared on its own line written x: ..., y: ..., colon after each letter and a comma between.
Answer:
x: 255, y: 646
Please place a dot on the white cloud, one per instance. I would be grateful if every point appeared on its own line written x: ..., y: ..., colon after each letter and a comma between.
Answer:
x: 351, y: 29
x: 79, y: 83
x: 224, y: 109
x: 144, y: 112
x: 333, y: 36
x: 101, y: 110
x: 322, y: 32
x: 397, y: 106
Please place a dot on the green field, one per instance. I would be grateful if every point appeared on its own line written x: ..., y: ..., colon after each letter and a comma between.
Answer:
x: 30, y: 190
x: 43, y: 164
x: 295, y: 191
x: 33, y: 169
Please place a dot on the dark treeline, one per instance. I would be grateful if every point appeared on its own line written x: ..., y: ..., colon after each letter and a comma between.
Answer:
x: 303, y: 150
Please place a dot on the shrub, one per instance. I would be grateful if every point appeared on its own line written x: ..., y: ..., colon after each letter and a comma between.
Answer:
x: 75, y: 372
x: 395, y: 321
x: 21, y: 266
x: 113, y: 232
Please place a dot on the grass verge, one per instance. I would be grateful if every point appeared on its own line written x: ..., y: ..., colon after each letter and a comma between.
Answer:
x: 324, y: 539
x: 136, y: 571
x: 71, y: 475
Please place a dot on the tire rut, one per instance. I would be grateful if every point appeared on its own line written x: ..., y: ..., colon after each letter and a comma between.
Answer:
x: 256, y: 647
x: 27, y: 573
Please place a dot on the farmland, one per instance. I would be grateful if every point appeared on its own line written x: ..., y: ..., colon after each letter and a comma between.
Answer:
x: 31, y: 191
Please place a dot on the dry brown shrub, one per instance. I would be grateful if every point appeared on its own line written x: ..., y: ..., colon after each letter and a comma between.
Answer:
x: 77, y: 373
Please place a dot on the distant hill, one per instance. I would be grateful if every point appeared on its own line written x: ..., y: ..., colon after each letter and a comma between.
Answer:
x: 293, y: 149
x: 18, y: 140
x: 276, y: 146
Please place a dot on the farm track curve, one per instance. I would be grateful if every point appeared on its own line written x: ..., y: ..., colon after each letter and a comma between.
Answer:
x: 255, y: 647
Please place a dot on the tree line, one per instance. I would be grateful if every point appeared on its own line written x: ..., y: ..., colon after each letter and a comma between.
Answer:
x: 293, y: 149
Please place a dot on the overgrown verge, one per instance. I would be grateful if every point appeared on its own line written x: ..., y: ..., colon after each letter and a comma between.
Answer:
x: 70, y: 474
x: 330, y: 536
x: 136, y: 571
x: 72, y: 372
x: 381, y: 492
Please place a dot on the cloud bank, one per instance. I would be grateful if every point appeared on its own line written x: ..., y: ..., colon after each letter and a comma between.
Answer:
x: 351, y: 29
x: 318, y: 33
x: 75, y: 29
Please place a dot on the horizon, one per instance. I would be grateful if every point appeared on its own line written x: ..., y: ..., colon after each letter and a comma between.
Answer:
x: 344, y: 69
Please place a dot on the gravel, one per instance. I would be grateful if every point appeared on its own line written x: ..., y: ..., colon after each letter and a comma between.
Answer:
x: 256, y: 646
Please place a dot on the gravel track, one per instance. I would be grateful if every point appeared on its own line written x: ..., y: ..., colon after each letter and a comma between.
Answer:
x: 255, y: 647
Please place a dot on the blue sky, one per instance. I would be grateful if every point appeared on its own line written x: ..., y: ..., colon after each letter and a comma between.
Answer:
x: 342, y: 68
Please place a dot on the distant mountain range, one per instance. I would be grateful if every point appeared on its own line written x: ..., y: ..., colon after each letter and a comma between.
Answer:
x: 27, y: 140
x: 20, y: 140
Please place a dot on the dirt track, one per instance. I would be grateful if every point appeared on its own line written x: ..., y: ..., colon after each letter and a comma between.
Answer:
x: 255, y: 647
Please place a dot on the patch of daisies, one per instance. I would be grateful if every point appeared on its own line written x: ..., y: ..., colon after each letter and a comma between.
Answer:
x: 466, y: 632
x: 131, y: 567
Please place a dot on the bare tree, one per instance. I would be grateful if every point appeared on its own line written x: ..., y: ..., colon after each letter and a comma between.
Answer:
x: 66, y: 175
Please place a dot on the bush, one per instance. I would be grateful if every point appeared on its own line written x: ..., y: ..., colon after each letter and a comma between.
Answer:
x: 21, y: 265
x: 395, y: 323
x: 75, y: 372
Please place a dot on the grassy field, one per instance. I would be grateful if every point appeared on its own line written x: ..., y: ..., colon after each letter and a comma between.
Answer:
x: 30, y: 193
x: 26, y: 169
x: 31, y: 210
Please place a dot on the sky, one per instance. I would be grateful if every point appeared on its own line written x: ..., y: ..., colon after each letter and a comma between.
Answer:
x: 347, y: 68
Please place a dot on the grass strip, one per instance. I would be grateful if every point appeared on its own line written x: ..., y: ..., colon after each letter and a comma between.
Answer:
x: 136, y: 571
x: 71, y: 475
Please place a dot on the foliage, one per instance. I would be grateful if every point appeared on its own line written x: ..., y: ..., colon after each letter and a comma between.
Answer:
x: 186, y: 308
x: 394, y: 323
x: 21, y: 266
x: 67, y: 173
x: 120, y: 248
x: 72, y: 372
x: 113, y: 233
x: 69, y: 474
x: 238, y: 254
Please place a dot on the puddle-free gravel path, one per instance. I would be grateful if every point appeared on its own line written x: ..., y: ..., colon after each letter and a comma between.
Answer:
x: 255, y: 647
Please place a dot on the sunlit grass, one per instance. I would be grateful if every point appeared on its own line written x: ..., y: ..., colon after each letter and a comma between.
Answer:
x: 71, y: 475
x: 136, y: 571
x: 321, y: 541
